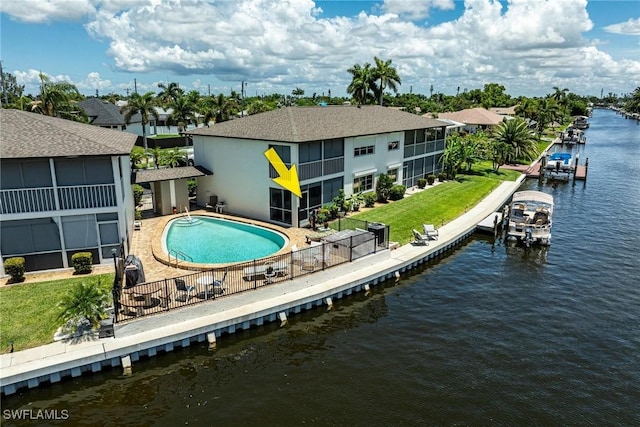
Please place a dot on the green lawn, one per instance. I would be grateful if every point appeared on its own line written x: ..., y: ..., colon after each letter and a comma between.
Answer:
x: 438, y: 205
x: 28, y: 312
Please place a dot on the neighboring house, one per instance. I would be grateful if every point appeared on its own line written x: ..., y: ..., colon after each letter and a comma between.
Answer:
x: 333, y: 148
x: 474, y: 119
x: 107, y: 115
x: 504, y: 111
x: 65, y: 187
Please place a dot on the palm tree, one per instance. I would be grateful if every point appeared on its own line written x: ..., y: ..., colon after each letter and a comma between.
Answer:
x: 85, y: 301
x: 173, y: 157
x: 143, y: 105
x: 517, y: 135
x: 157, y: 154
x: 169, y: 93
x: 257, y: 106
x: 182, y: 112
x: 387, y: 75
x: 224, y: 107
x: 452, y: 157
x: 362, y: 82
x: 56, y: 98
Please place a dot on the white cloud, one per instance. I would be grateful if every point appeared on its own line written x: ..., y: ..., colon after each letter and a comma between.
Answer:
x: 630, y: 27
x: 277, y: 45
x: 47, y: 10
x: 415, y: 9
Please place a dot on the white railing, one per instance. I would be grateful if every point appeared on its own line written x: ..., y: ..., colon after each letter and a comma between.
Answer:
x: 27, y: 200
x: 87, y: 196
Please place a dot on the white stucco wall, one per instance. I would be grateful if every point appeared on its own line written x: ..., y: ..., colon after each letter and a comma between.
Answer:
x: 380, y: 162
x: 240, y: 174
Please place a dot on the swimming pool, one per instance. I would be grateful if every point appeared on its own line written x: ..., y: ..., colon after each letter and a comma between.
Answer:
x: 209, y: 240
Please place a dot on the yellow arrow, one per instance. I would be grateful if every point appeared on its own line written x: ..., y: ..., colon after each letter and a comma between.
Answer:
x: 288, y: 177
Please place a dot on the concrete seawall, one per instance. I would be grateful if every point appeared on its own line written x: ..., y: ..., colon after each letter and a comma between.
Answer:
x: 208, y: 321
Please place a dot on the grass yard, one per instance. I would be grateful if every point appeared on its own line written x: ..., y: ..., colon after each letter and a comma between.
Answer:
x: 438, y: 205
x: 28, y: 312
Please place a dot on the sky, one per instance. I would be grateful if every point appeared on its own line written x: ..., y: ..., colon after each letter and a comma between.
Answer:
x: 276, y: 46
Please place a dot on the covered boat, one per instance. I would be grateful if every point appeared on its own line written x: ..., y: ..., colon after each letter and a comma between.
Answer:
x: 559, y: 166
x: 530, y: 217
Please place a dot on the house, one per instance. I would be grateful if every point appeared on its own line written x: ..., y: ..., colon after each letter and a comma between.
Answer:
x: 65, y: 187
x: 504, y: 111
x: 333, y: 148
x: 475, y: 119
x: 107, y: 115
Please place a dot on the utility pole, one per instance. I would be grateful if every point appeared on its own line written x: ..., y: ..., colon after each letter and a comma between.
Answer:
x: 242, y: 98
x: 135, y: 85
x: 4, y: 88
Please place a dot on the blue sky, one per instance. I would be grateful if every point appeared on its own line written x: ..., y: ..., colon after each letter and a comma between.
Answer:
x: 529, y: 46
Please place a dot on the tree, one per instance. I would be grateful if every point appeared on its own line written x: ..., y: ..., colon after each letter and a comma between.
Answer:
x: 145, y: 105
x: 452, y: 157
x: 85, y: 301
x: 386, y: 75
x: 383, y: 187
x: 170, y: 92
x: 173, y: 157
x: 362, y: 83
x: 11, y: 90
x: 182, y: 113
x: 56, y: 99
x: 157, y: 154
x: 297, y: 92
x: 257, y: 106
x: 516, y: 134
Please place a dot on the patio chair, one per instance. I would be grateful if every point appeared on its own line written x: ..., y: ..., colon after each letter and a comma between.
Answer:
x: 430, y: 231
x: 420, y: 239
x: 269, y: 273
x: 216, y: 287
x: 184, y: 291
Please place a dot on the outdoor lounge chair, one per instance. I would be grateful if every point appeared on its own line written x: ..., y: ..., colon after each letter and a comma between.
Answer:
x: 251, y: 273
x: 420, y: 239
x: 430, y: 231
x: 184, y: 291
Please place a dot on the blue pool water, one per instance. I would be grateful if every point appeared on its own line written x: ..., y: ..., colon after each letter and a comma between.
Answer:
x: 214, y: 241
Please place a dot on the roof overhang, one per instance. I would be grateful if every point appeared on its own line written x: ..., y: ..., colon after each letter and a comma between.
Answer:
x: 168, y: 174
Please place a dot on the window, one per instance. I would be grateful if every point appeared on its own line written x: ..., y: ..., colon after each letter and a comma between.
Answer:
x: 363, y: 151
x: 363, y: 183
x: 393, y: 174
x: 394, y: 145
x: 280, y: 205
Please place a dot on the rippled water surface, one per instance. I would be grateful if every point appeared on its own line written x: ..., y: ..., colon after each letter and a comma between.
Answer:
x: 490, y: 335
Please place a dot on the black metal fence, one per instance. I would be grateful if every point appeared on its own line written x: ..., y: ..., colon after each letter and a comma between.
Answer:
x: 353, y: 239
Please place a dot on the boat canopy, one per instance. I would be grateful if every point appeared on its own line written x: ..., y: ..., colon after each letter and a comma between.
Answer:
x: 533, y: 196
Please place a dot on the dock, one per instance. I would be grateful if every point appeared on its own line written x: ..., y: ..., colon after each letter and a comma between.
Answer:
x: 492, y: 223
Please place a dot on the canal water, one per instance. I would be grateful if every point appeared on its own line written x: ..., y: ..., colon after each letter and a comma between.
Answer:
x: 490, y: 335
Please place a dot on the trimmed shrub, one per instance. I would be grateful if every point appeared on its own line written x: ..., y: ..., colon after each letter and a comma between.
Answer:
x: 442, y: 177
x: 383, y: 187
x: 369, y: 199
x: 82, y: 262
x: 431, y: 178
x: 137, y: 194
x: 14, y: 267
x: 397, y: 192
x: 422, y: 182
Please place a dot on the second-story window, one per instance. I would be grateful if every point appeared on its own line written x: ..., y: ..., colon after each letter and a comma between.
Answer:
x: 363, y: 151
x: 394, y: 145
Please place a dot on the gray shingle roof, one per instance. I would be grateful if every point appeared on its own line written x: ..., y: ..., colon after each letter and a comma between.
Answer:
x: 303, y: 124
x: 165, y: 174
x: 104, y: 113
x: 30, y: 135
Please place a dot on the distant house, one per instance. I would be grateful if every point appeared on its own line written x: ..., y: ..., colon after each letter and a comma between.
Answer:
x: 504, y: 111
x: 334, y: 148
x: 474, y: 119
x: 107, y: 115
x: 65, y: 187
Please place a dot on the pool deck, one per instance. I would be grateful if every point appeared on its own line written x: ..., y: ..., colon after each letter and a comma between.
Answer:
x: 208, y: 321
